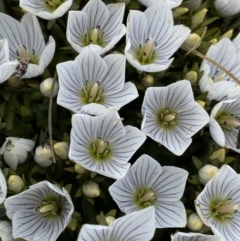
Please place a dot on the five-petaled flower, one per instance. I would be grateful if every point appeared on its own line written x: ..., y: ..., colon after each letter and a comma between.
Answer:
x: 97, y: 25
x: 218, y: 204
x: 40, y: 213
x: 102, y: 144
x: 152, y: 38
x: 146, y: 184
x: 94, y: 83
x: 171, y: 116
x: 26, y: 44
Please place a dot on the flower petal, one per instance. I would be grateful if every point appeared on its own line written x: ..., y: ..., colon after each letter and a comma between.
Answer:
x: 7, y: 70
x: 193, y: 236
x: 3, y: 187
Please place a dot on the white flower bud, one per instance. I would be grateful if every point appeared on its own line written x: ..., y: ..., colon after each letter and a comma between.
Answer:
x: 179, y: 11
x: 73, y: 224
x: 109, y: 220
x: 62, y: 149
x: 194, y: 222
x: 193, y: 4
x: 46, y: 86
x: 228, y: 34
x: 147, y: 80
x: 15, y: 150
x: 43, y: 156
x: 80, y: 169
x: 191, y: 76
x: 6, y: 231
x: 206, y: 173
x: 198, y: 17
x: 15, y: 184
x: 219, y: 154
x: 190, y: 42
x: 90, y: 189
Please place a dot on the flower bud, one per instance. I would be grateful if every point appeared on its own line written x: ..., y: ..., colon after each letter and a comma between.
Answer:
x: 147, y: 80
x: 15, y: 184
x: 43, y: 156
x: 191, y: 76
x: 177, y: 12
x: 46, y: 86
x: 62, y: 149
x: 191, y: 41
x: 213, y: 41
x: 90, y: 189
x: 73, y: 224
x: 198, y: 17
x: 202, y: 103
x: 219, y: 154
x: 194, y: 222
x: 80, y: 169
x: 228, y: 34
x: 206, y: 173
x: 109, y: 220
x: 193, y: 4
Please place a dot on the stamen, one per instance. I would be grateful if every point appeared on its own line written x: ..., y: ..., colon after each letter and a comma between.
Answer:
x: 93, y: 92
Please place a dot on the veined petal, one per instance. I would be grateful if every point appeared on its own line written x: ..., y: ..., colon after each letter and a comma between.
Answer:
x: 4, y: 51
x: 236, y: 42
x: 14, y: 32
x: 7, y: 70
x: 93, y: 109
x: 170, y: 214
x: 3, y: 188
x: 170, y: 3
x: 223, y: 89
x: 98, y: 14
x: 6, y: 231
x: 170, y: 185
x: 216, y: 132
x: 193, y: 236
x: 227, y: 8
x: 33, y: 6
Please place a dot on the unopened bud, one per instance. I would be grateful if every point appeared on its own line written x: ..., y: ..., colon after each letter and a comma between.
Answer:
x: 228, y: 34
x: 90, y: 189
x: 193, y: 4
x: 43, y: 156
x: 194, y: 222
x: 15, y: 184
x: 213, y: 41
x: 198, y: 17
x: 191, y: 76
x: 219, y: 154
x: 80, y: 169
x: 109, y: 220
x: 46, y: 86
x: 202, y: 103
x: 177, y: 12
x: 191, y: 41
x: 206, y: 173
x: 73, y: 224
x: 62, y: 149
x: 147, y: 80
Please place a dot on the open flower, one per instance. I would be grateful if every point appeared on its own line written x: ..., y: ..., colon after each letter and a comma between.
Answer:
x: 97, y: 25
x: 26, y: 44
x: 94, y: 83
x: 227, y: 8
x: 6, y: 231
x: 171, y: 3
x: 46, y: 9
x: 224, y: 124
x: 7, y: 68
x: 193, y: 237
x: 218, y: 204
x: 171, y: 116
x: 14, y: 150
x: 102, y: 144
x: 152, y: 38
x: 39, y: 213
x: 135, y: 226
x: 146, y: 184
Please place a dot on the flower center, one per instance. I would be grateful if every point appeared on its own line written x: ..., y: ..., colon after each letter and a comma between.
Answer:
x: 92, y: 94
x: 224, y: 209
x: 94, y: 36
x: 228, y: 121
x: 100, y: 149
x: 48, y: 208
x: 145, y: 198
x: 146, y: 52
x: 167, y: 118
x: 52, y: 5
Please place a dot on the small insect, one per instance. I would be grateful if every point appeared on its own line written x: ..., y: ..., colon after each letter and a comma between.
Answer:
x: 45, y: 140
x: 22, y: 67
x: 238, y: 139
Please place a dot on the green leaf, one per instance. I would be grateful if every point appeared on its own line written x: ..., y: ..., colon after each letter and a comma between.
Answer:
x: 102, y: 219
x: 79, y: 192
x: 229, y: 159
x: 198, y: 163
x: 25, y: 111
x: 194, y: 179
x: 68, y: 187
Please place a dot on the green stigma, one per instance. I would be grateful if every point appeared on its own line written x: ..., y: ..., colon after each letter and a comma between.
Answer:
x: 52, y: 5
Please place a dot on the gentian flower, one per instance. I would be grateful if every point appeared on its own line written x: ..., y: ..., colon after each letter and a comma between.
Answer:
x: 7, y: 68
x: 218, y: 204
x: 171, y: 3
x: 171, y: 116
x: 193, y: 237
x: 227, y: 8
x: 134, y: 226
x: 97, y: 25
x: 46, y: 9
x: 39, y: 213
x: 26, y: 44
x: 94, y: 83
x: 6, y: 231
x: 152, y: 38
x: 102, y: 144
x: 146, y: 184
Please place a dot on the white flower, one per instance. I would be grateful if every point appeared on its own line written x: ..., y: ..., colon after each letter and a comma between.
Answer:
x: 193, y: 237
x: 171, y: 116
x: 46, y: 86
x: 218, y: 204
x: 43, y: 156
x: 14, y: 150
x: 26, y: 44
x: 225, y: 122
x: 152, y: 38
x: 97, y: 25
x: 206, y: 173
x: 6, y: 231
x: 94, y: 83
x: 146, y: 184
x: 3, y: 188
x: 171, y: 3
x: 227, y: 8
x: 135, y: 226
x: 7, y: 68
x: 39, y: 213
x: 46, y: 9
x: 102, y: 144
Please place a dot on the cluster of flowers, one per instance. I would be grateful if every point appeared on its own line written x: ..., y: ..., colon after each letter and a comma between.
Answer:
x: 94, y: 89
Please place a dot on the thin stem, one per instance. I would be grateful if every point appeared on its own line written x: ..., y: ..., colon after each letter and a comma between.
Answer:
x: 50, y: 117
